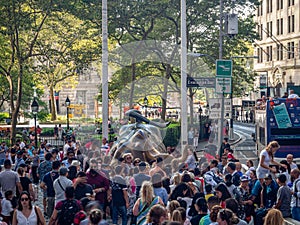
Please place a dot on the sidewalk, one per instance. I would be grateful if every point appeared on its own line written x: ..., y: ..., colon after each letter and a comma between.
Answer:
x: 202, y: 144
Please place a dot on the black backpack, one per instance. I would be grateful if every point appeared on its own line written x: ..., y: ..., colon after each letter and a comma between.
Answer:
x: 68, y: 211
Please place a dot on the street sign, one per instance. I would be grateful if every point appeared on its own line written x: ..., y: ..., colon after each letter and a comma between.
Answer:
x: 223, y: 85
x: 224, y: 68
x: 208, y: 82
x: 215, y: 105
x: 217, y: 115
x: 215, y: 108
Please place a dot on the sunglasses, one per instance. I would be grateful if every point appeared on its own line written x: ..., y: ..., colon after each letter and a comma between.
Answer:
x: 24, y: 199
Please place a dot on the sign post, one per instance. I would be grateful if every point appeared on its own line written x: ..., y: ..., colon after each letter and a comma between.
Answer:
x: 223, y: 86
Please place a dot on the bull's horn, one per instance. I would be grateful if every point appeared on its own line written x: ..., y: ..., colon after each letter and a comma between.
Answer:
x: 140, y: 118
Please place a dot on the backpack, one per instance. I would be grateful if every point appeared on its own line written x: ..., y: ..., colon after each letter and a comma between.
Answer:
x: 68, y: 211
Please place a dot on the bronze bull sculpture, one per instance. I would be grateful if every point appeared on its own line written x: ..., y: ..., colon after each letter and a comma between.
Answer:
x: 142, y: 140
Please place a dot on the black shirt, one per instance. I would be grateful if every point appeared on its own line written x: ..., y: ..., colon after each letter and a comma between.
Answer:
x: 81, y: 190
x: 118, y: 184
x: 196, y: 219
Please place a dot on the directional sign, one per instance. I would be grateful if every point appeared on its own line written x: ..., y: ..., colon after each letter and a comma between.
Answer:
x: 224, y: 68
x: 215, y: 105
x: 223, y: 85
x: 208, y: 82
x: 215, y: 108
x: 217, y: 115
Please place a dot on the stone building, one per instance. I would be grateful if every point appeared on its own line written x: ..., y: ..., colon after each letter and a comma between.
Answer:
x: 278, y: 63
x: 82, y: 96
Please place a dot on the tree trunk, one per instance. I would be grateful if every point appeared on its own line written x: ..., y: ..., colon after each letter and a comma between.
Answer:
x: 12, y: 109
x: 133, y: 77
x: 16, y: 109
x: 53, y: 105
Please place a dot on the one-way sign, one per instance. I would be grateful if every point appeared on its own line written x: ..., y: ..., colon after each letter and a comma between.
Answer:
x: 208, y: 82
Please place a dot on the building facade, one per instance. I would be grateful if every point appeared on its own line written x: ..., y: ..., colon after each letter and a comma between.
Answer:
x: 83, y: 96
x: 278, y: 63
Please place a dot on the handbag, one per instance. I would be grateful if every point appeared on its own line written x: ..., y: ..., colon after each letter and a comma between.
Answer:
x: 39, y: 222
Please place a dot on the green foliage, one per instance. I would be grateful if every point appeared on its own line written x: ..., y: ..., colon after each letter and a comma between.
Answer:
x: 160, y: 21
x: 172, y: 137
x: 3, y: 116
x: 48, y: 132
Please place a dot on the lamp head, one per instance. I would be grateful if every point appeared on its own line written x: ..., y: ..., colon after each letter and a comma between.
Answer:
x: 200, y: 109
x: 34, y: 106
x: 145, y: 101
x: 68, y: 102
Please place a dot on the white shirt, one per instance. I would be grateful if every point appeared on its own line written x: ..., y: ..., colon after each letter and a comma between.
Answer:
x: 66, y: 147
x: 266, y: 162
x: 293, y: 96
x: 31, y: 220
x: 293, y: 166
x: 6, y: 207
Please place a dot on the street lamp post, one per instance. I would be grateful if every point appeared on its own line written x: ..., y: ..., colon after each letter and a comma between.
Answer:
x: 35, y: 110
x: 200, y: 123
x: 68, y: 102
x: 146, y: 105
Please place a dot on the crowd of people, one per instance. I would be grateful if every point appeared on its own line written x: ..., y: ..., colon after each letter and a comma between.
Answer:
x: 80, y: 187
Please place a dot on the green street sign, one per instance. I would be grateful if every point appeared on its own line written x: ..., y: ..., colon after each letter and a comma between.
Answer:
x: 224, y: 68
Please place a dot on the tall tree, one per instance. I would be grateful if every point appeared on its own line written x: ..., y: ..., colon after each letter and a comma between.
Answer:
x: 66, y: 44
x: 20, y: 25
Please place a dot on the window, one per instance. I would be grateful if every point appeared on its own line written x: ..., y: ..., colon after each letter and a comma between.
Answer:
x: 279, y: 4
x: 269, y: 6
x: 269, y: 53
x: 291, y: 2
x: 291, y: 46
x: 260, y: 55
x: 270, y: 30
x: 260, y: 31
x: 260, y: 9
x: 280, y: 52
x: 281, y: 26
x: 277, y: 26
x: 291, y: 23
